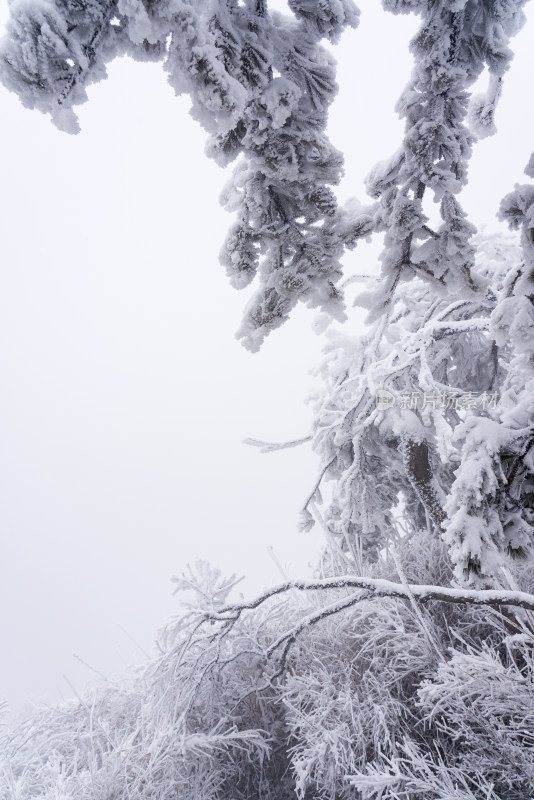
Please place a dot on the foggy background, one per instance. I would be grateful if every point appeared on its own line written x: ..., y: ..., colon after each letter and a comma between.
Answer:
x: 124, y: 395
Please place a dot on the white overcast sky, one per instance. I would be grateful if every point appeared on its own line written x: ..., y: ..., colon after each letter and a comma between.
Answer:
x: 124, y: 394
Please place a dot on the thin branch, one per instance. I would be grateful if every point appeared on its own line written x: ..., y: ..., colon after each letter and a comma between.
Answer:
x: 415, y: 607
x: 288, y: 638
x: 271, y: 447
x: 430, y: 232
x: 382, y: 588
x: 317, y: 484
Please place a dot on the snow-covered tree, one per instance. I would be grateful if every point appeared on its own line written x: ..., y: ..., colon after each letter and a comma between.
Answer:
x: 405, y: 669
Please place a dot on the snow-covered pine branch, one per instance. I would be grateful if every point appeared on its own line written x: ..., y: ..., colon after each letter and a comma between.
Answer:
x: 260, y: 84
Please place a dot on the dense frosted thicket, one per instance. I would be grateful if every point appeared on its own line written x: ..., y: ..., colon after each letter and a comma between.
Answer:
x: 324, y: 691
x: 405, y: 670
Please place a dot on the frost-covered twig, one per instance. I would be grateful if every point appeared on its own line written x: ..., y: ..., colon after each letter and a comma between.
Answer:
x: 271, y: 447
x: 378, y: 587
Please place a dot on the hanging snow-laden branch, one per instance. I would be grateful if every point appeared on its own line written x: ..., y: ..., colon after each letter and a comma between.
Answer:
x: 260, y: 83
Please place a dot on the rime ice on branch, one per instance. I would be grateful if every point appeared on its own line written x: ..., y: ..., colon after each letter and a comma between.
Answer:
x: 260, y: 83
x: 445, y: 328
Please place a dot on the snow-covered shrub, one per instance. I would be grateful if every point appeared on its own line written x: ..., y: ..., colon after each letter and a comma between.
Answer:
x: 310, y: 691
